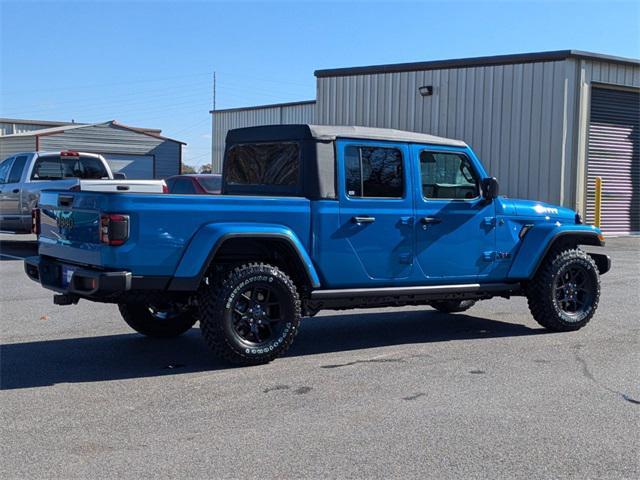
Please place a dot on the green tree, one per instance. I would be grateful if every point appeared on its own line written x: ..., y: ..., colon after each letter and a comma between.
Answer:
x: 187, y: 168
x: 206, y: 168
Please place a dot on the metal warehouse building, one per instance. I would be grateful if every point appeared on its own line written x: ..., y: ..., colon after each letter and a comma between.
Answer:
x: 139, y: 153
x: 545, y: 124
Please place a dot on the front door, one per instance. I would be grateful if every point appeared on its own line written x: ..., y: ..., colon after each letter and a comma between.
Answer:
x: 455, y: 226
x: 13, y: 218
x: 376, y: 207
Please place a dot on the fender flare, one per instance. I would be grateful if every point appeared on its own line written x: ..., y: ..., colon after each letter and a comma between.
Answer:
x: 539, y: 240
x: 204, y: 245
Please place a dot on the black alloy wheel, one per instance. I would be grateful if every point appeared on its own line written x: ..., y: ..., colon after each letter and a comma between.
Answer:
x: 574, y: 290
x: 257, y: 315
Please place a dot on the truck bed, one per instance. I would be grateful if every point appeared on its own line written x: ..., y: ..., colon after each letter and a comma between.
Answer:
x: 161, y: 225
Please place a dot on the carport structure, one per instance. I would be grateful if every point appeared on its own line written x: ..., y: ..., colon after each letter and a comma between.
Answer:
x: 138, y: 153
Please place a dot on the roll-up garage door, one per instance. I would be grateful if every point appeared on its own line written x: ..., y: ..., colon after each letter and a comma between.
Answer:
x: 139, y: 167
x: 614, y: 155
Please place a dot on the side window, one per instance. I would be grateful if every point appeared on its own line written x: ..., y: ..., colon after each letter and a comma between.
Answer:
x: 16, y: 170
x: 184, y: 186
x: 275, y: 164
x: 375, y: 172
x: 447, y: 175
x: 4, y: 169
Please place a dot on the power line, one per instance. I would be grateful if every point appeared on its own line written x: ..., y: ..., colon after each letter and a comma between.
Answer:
x: 110, y: 84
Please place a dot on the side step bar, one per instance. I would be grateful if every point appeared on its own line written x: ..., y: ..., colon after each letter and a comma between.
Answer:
x: 430, y: 290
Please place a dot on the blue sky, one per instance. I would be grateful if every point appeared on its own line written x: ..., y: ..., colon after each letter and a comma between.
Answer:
x: 150, y: 63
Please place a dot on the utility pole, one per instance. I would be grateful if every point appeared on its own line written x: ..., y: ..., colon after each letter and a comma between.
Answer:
x: 214, y: 91
x: 214, y: 146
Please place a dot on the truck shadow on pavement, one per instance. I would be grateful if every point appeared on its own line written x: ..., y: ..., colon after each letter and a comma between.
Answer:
x: 125, y: 356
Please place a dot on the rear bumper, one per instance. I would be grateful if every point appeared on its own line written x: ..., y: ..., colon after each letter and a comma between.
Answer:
x: 87, y: 282
x: 84, y: 282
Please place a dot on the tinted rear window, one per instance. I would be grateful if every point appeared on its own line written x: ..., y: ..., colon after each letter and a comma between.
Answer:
x: 276, y: 164
x: 55, y: 167
x: 373, y: 172
x: 183, y: 186
x: 211, y: 184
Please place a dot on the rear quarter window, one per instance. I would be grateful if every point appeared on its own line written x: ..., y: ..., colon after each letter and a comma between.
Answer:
x: 265, y: 164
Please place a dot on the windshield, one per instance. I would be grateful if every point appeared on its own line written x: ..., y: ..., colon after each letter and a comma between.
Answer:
x: 56, y: 167
x: 211, y: 184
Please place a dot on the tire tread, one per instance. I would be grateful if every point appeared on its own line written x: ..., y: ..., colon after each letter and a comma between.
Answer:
x: 539, y: 297
x: 212, y: 300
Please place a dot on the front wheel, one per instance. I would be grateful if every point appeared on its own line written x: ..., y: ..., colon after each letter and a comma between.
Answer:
x: 565, y: 291
x: 252, y: 316
x: 163, y: 321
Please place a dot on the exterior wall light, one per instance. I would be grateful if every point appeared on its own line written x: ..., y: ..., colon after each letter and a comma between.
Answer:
x: 426, y: 90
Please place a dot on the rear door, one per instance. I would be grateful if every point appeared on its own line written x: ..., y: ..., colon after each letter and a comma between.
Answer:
x: 455, y: 227
x: 376, y: 208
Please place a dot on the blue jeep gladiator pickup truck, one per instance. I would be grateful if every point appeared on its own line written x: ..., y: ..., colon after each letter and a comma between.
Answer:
x: 310, y: 218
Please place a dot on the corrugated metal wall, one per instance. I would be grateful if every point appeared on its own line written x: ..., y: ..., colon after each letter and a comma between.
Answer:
x: 11, y: 145
x: 583, y: 75
x: 511, y: 115
x: 225, y: 120
x: 107, y: 138
x: 527, y: 121
x: 10, y: 128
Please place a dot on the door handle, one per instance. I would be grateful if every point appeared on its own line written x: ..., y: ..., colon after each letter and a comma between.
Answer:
x: 430, y: 220
x: 364, y: 219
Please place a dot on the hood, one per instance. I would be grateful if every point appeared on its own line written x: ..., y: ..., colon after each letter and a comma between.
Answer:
x: 530, y: 208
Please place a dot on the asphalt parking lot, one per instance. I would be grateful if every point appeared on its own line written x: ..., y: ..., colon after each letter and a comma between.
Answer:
x: 407, y: 393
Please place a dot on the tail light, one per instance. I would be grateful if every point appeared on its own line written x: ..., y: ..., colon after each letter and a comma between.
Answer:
x: 114, y: 228
x: 165, y: 189
x: 35, y: 221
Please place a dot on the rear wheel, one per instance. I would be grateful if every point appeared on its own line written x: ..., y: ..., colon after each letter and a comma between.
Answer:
x: 252, y: 316
x: 453, y: 306
x: 564, y: 294
x: 162, y: 321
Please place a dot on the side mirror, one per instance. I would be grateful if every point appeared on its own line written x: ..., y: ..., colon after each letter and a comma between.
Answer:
x: 119, y: 176
x: 490, y: 188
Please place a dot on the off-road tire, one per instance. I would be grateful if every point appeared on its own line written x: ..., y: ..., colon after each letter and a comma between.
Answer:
x: 139, y: 317
x: 543, y: 302
x: 453, y: 306
x: 216, y: 302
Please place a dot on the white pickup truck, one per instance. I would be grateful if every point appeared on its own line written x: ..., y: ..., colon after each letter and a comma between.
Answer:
x: 24, y: 175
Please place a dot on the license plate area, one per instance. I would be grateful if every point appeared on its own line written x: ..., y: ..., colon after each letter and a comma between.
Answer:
x: 66, y: 274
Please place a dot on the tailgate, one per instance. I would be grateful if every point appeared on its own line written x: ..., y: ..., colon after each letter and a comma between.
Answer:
x: 70, y: 226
